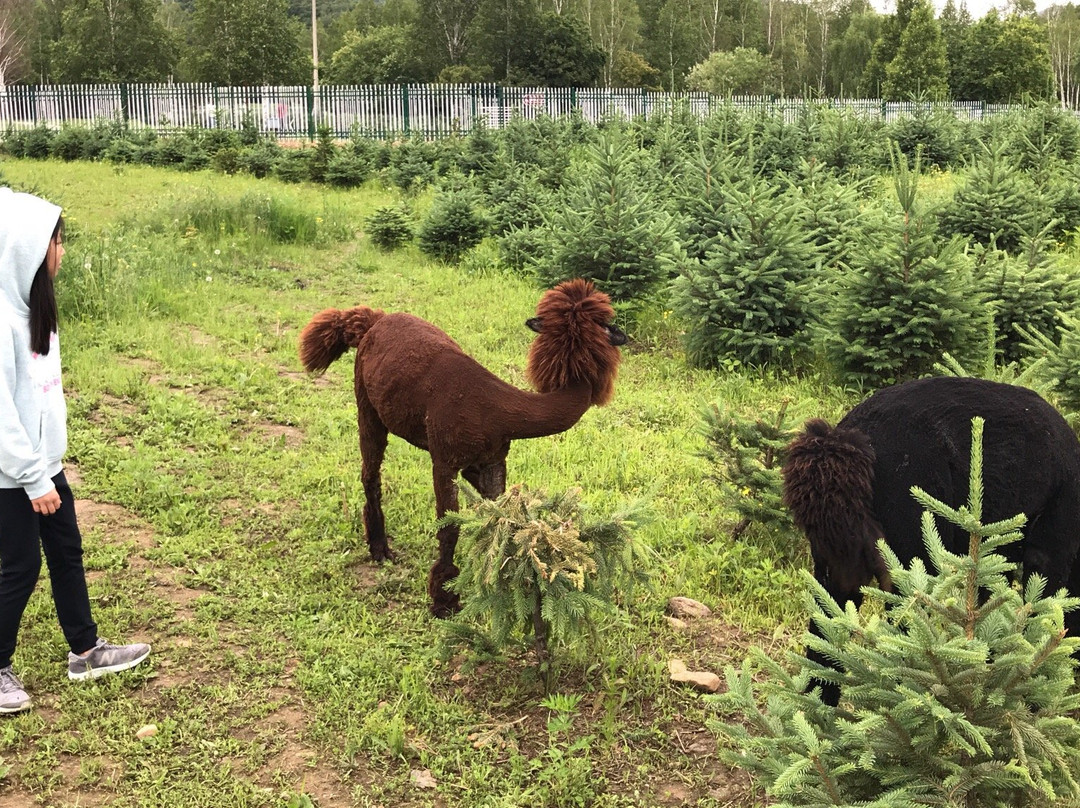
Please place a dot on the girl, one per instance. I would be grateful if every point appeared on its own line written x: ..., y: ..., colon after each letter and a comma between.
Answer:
x: 37, y: 509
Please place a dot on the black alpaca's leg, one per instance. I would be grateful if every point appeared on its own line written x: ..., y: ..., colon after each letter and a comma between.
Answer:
x: 830, y: 693
x: 1051, y: 549
x: 1072, y: 619
x: 373, y: 437
x: 489, y: 481
x: 444, y: 603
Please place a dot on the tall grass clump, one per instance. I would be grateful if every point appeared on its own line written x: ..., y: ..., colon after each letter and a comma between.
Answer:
x: 121, y: 275
x: 274, y: 218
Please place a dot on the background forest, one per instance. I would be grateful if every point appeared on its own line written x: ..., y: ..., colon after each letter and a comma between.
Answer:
x: 786, y: 47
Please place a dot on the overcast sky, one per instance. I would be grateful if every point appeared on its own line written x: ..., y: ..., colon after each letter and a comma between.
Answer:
x: 977, y: 8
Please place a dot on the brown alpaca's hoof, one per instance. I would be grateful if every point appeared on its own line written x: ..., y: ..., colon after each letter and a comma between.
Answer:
x: 381, y: 554
x: 446, y: 606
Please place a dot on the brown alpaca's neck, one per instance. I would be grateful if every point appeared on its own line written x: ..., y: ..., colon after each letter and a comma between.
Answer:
x: 534, y: 415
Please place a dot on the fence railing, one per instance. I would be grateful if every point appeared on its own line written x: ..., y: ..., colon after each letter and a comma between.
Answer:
x: 389, y: 110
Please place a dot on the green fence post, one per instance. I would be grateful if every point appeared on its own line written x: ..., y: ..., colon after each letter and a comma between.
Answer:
x: 125, y: 112
x: 310, y: 93
x: 405, y: 109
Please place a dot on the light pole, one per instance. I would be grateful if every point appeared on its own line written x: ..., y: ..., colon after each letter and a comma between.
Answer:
x: 315, y: 61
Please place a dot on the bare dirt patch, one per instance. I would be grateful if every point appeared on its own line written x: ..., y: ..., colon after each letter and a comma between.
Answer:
x: 318, y: 380
x: 279, y: 435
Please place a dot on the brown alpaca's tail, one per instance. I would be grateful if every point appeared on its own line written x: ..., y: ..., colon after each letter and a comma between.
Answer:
x: 829, y: 490
x: 332, y: 332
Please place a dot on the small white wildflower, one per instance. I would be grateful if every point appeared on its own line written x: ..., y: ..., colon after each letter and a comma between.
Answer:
x: 209, y: 279
x: 217, y: 252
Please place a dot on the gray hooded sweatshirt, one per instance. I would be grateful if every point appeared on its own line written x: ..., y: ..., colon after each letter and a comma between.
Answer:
x: 33, y: 414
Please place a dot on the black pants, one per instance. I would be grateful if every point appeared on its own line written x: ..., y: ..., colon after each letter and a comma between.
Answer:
x: 23, y: 536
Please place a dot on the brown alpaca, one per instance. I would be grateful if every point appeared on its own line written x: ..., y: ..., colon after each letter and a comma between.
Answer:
x: 412, y: 380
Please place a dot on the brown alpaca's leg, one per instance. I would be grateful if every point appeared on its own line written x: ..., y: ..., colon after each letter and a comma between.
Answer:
x: 444, y: 603
x: 372, y: 447
x: 489, y: 481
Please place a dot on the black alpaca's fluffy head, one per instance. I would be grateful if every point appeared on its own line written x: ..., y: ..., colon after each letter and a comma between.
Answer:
x: 829, y: 490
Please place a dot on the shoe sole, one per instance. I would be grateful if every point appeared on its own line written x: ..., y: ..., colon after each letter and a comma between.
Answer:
x: 22, y: 708
x: 94, y: 673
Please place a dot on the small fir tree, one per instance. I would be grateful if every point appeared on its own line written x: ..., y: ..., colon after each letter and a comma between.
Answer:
x: 453, y: 226
x: 413, y: 165
x: 995, y: 205
x: 930, y: 132
x: 746, y: 454
x: 516, y: 200
x: 1031, y: 290
x: 847, y: 143
x: 541, y: 565
x: 957, y: 692
x: 903, y: 299
x: 832, y: 209
x: 1058, y: 363
x: 1057, y: 198
x: 609, y: 228
x: 390, y: 227
x: 322, y: 154
x: 699, y: 200
x: 747, y: 301
x: 347, y: 169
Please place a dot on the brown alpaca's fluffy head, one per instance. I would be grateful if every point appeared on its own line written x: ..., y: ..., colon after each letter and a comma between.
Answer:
x: 576, y: 341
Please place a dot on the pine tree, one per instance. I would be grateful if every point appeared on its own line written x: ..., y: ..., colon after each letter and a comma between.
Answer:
x: 746, y: 454
x: 747, y: 300
x: 542, y: 565
x: 609, y: 228
x: 903, y: 299
x: 995, y: 205
x: 956, y: 691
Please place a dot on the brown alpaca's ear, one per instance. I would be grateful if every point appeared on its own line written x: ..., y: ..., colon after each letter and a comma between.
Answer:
x: 535, y: 323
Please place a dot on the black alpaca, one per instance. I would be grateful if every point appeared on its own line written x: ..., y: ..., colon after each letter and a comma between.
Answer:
x: 849, y: 486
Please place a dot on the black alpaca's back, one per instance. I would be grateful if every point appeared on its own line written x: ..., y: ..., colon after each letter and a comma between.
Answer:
x: 920, y: 432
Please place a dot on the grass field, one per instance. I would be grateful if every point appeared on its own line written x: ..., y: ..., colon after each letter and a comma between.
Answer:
x: 219, y: 494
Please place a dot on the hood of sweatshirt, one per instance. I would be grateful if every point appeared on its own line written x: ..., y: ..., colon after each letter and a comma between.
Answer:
x: 26, y: 227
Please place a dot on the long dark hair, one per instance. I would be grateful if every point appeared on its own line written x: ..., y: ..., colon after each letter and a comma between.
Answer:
x: 43, y: 315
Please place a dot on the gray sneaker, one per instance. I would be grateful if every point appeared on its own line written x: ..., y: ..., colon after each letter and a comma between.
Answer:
x: 13, y: 698
x: 106, y: 658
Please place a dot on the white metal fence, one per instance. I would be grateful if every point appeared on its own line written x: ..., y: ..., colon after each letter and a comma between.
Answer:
x: 387, y: 110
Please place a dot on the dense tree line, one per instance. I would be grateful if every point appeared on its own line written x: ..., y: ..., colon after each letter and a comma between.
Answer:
x: 787, y: 47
